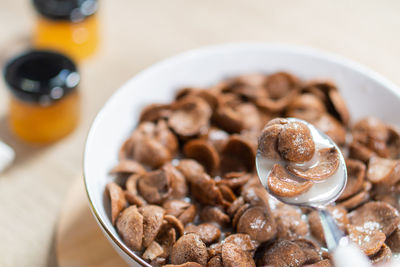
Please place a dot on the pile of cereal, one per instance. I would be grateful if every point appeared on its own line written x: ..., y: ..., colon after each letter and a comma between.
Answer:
x: 188, y: 195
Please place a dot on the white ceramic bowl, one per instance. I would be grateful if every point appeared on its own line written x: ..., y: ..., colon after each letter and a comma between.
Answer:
x: 365, y: 92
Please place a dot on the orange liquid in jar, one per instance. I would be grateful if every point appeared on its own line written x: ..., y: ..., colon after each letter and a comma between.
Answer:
x: 79, y: 40
x: 44, y: 100
x: 44, y: 124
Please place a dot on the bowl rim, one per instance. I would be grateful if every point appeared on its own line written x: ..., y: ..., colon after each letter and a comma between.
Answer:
x: 198, y: 52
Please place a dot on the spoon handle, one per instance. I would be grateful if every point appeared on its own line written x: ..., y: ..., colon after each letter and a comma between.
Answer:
x: 333, y: 235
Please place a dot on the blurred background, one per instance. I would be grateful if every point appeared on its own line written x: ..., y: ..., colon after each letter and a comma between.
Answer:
x: 132, y: 36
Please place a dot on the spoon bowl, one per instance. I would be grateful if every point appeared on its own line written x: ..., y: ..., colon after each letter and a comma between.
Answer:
x: 321, y: 193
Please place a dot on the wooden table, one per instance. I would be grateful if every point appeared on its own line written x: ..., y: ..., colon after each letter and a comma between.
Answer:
x: 136, y: 34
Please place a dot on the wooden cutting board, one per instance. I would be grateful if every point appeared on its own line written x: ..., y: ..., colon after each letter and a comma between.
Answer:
x: 79, y: 240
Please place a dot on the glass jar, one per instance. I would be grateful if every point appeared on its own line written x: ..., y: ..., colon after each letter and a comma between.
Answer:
x: 44, y: 101
x: 68, y: 26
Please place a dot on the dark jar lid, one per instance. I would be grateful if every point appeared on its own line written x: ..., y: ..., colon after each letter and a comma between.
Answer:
x: 72, y: 10
x: 41, y: 76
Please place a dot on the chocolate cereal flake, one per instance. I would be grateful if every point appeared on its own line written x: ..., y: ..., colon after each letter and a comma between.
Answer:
x: 234, y: 256
x: 283, y: 253
x: 355, y: 178
x: 376, y: 215
x: 128, y: 167
x: 151, y: 144
x: 268, y: 141
x: 190, y: 116
x: 234, y: 180
x: 310, y: 249
x: 207, y: 232
x: 382, y: 256
x: 393, y: 241
x: 295, y: 143
x: 175, y: 207
x: 203, y: 152
x: 215, y: 261
x: 155, y: 112
x: 282, y: 184
x: 327, y: 165
x: 386, y: 171
x: 258, y: 223
x: 289, y: 222
x: 175, y: 223
x: 237, y: 155
x: 130, y: 227
x: 155, y: 186
x: 186, y: 264
x: 307, y: 107
x: 331, y: 127
x: 323, y: 263
x: 152, y: 221
x: 118, y: 201
x: 151, y: 152
x: 243, y: 241
x: 189, y: 248
x: 214, y: 214
x: 191, y: 169
x: 255, y: 196
x: 178, y: 184
x: 238, y: 214
x: 369, y: 240
x: 357, y: 199
x: 153, y: 251
x: 134, y: 199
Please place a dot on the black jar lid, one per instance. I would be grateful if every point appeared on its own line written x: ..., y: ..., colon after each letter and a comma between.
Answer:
x: 41, y: 76
x: 72, y: 10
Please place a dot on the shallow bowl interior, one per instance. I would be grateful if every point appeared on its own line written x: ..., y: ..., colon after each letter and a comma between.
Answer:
x: 365, y: 92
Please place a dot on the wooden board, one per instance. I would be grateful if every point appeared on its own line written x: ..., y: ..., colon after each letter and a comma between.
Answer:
x: 79, y: 240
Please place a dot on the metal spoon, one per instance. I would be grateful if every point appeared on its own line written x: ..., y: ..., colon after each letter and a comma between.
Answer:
x: 321, y: 194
